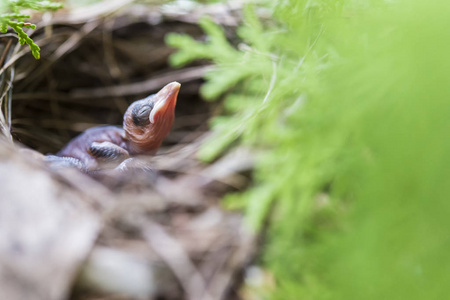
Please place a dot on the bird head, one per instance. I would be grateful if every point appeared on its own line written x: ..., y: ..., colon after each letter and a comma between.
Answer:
x: 148, y: 121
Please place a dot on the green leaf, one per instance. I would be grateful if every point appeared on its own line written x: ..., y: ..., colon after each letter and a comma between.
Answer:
x: 16, y: 20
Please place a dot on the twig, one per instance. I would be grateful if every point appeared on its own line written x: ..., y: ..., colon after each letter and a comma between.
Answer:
x: 176, y: 258
x: 90, y: 12
x: 5, y: 51
x: 108, y: 50
x: 5, y: 100
x: 221, y: 13
x: 13, y: 59
x: 153, y: 84
x: 9, y: 35
x: 9, y: 103
x: 244, y: 253
x: 64, y: 49
x: 146, y: 86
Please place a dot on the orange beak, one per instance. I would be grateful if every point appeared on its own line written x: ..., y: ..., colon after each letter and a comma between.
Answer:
x: 165, y: 101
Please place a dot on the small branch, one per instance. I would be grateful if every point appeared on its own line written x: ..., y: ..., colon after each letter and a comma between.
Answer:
x: 176, y: 258
x: 13, y: 59
x: 5, y: 51
x: 68, y: 46
x: 142, y: 87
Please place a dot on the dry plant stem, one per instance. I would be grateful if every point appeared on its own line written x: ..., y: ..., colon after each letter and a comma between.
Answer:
x: 90, y: 12
x: 6, y: 85
x: 5, y: 51
x: 176, y: 258
x: 98, y: 196
x: 13, y: 60
x: 221, y: 13
x: 16, y: 55
x: 221, y: 283
x: 108, y: 49
x: 64, y: 49
x: 3, y: 123
x: 13, y: 35
x: 9, y: 103
x: 152, y: 84
x: 147, y: 86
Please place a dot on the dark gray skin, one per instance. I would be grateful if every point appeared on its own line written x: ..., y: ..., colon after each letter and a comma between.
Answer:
x: 146, y: 123
x: 97, y: 146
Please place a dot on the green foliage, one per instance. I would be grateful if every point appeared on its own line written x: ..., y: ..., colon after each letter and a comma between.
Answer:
x: 346, y: 105
x: 10, y: 16
x: 217, y: 49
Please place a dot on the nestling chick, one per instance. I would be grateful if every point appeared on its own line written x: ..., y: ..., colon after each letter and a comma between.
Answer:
x: 145, y: 125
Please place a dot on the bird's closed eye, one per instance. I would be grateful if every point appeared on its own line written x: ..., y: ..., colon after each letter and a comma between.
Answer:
x: 141, y: 113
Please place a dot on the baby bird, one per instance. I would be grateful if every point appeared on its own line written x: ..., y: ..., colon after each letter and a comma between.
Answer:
x: 145, y: 125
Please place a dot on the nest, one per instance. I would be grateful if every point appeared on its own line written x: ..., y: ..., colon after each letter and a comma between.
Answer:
x: 67, y: 235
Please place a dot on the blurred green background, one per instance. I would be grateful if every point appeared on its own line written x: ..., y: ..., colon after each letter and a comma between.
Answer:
x: 347, y: 106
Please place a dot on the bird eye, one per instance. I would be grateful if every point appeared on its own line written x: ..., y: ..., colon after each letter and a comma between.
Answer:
x: 141, y: 113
